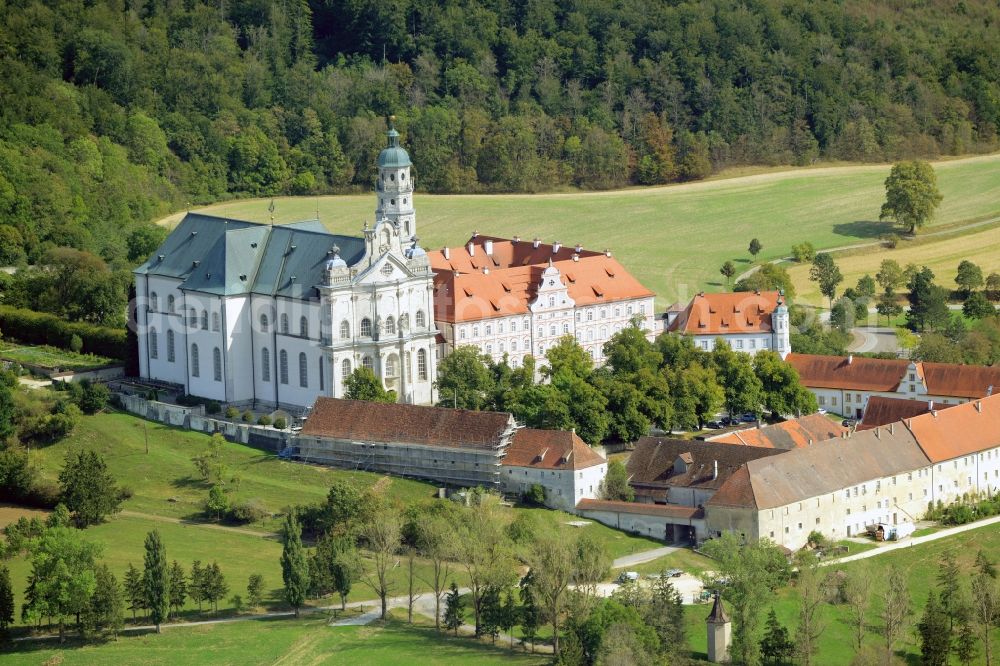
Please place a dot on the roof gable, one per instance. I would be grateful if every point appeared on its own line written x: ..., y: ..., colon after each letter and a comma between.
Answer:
x: 550, y: 449
x: 727, y: 312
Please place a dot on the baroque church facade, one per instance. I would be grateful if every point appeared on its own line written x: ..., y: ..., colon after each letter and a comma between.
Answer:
x: 275, y: 316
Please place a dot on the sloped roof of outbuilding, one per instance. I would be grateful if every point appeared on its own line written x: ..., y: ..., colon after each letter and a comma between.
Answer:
x: 883, y: 410
x: 727, y: 312
x: 825, y: 467
x: 382, y: 423
x: 652, y: 462
x: 791, y: 434
x: 550, y: 449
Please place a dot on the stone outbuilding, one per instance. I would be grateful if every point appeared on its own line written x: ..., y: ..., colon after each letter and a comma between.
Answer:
x: 557, y: 460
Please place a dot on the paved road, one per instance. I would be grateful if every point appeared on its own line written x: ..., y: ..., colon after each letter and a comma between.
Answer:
x: 874, y: 339
x: 914, y: 541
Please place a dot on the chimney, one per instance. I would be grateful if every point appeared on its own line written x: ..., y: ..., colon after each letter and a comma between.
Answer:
x: 979, y: 406
x: 989, y: 390
x: 715, y: 470
x: 488, y: 247
x: 892, y: 428
x: 536, y: 242
x: 446, y: 251
x: 471, y: 247
x: 556, y: 246
x: 475, y: 234
x: 579, y: 248
x: 930, y: 405
x: 850, y: 359
x: 607, y: 252
x: 486, y: 271
x: 517, y: 239
x: 576, y: 257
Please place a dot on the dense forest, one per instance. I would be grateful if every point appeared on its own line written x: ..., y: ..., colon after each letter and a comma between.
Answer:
x: 112, y: 112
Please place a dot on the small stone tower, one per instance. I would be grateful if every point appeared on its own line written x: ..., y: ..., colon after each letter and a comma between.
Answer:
x: 720, y: 634
x: 394, y: 187
x: 781, y: 335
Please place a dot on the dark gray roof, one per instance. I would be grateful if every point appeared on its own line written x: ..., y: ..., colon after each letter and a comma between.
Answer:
x: 833, y: 465
x: 221, y: 256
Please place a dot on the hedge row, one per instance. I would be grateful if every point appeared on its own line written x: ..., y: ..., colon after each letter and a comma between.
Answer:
x: 41, y: 328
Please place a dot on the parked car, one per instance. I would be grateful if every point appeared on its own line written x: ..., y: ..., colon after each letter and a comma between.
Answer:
x: 627, y: 577
x: 848, y: 423
x: 714, y: 425
x: 731, y: 421
x: 749, y: 418
x: 821, y: 411
x: 673, y: 573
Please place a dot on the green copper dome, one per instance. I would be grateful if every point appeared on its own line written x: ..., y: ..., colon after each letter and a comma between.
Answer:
x: 393, y: 156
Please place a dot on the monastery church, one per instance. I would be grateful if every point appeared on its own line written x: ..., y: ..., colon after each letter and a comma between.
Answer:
x: 275, y: 316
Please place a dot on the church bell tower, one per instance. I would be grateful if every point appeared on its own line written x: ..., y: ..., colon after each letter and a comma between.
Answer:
x: 394, y: 188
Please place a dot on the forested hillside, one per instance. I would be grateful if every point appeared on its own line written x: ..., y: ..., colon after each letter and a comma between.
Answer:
x: 112, y: 112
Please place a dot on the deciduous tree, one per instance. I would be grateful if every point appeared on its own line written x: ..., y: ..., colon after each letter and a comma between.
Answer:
x: 911, y: 194
x: 826, y: 274
x: 382, y: 532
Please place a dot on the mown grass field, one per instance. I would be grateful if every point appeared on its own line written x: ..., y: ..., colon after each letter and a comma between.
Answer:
x: 285, y: 642
x: 168, y: 496
x: 921, y: 564
x: 674, y: 238
x: 941, y: 255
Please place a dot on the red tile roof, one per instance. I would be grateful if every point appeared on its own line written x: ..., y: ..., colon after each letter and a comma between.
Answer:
x: 791, y: 434
x: 550, y: 449
x: 406, y: 424
x: 736, y: 492
x: 882, y: 410
x: 651, y: 464
x: 857, y: 373
x: 480, y: 286
x: 728, y: 312
x: 642, y: 508
x: 958, y: 431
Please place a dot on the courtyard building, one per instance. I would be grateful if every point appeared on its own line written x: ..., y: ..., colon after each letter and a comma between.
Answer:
x: 557, y: 460
x: 749, y: 321
x: 518, y: 298
x: 844, y: 384
x: 451, y: 447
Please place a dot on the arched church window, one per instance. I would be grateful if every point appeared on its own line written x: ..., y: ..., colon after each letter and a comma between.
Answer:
x: 304, y: 327
x: 192, y: 318
x: 284, y: 323
x: 366, y: 328
x: 154, y: 350
x: 367, y: 362
x: 390, y: 366
x: 170, y: 347
x: 422, y: 364
x: 303, y: 370
x: 345, y: 370
x: 283, y: 366
x: 215, y: 322
x: 421, y: 319
x: 217, y: 364
x: 153, y: 302
x: 195, y: 365
x: 170, y: 304
x: 263, y: 323
x: 345, y: 330
x: 204, y: 320
x: 265, y: 364
x: 390, y: 325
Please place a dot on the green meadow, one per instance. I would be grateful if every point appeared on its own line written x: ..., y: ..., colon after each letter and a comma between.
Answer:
x: 673, y: 238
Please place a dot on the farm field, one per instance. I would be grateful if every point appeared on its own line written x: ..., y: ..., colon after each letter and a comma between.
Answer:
x: 941, y: 255
x: 920, y: 564
x: 673, y: 238
x: 304, y: 641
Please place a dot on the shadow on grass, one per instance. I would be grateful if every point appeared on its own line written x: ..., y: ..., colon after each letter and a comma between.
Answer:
x: 863, y: 229
x: 190, y: 482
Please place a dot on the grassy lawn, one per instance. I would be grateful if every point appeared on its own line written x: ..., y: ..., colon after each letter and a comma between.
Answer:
x: 679, y: 235
x: 617, y: 542
x: 921, y: 565
x: 287, y: 642
x: 51, y: 357
x: 941, y: 255
x: 165, y: 481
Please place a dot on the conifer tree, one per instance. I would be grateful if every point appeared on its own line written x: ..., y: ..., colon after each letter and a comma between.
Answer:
x: 196, y: 589
x: 6, y: 600
x: 156, y: 579
x: 453, y: 609
x: 135, y: 591
x: 294, y: 568
x: 178, y: 587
